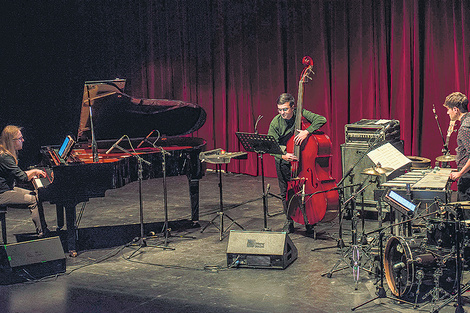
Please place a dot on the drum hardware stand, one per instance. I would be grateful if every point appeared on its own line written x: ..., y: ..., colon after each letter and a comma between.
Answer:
x: 381, y: 293
x: 364, y: 235
x: 458, y: 238
x: 420, y: 276
x: 355, y: 251
x: 436, y: 292
x: 221, y: 214
x: 260, y: 144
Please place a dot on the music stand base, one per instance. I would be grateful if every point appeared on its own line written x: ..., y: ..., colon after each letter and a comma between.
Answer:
x: 142, y: 243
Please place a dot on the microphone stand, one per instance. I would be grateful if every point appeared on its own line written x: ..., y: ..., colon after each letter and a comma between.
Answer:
x: 445, y: 149
x: 340, y: 242
x: 165, y: 229
x: 141, y: 242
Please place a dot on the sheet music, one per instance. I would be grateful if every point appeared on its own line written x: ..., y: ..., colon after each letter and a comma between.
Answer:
x: 388, y: 156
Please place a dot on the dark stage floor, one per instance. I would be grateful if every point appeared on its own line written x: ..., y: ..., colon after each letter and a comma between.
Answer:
x: 193, y: 277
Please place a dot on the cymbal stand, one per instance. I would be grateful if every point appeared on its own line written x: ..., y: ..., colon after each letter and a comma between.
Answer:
x: 221, y: 214
x: 353, y: 255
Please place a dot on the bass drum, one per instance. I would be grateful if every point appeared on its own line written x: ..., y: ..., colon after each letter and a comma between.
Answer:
x: 410, y: 267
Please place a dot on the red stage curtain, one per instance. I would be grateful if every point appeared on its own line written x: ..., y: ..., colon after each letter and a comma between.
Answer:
x: 373, y: 59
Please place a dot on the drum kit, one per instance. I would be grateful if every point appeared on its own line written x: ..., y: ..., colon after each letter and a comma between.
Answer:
x: 427, y: 265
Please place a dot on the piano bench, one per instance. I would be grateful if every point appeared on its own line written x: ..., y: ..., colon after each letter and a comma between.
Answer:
x: 3, y: 212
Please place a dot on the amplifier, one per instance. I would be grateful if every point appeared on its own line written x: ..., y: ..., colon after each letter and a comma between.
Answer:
x: 350, y: 155
x: 367, y: 131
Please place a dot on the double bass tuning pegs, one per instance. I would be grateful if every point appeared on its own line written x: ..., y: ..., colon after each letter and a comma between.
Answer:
x: 308, y: 61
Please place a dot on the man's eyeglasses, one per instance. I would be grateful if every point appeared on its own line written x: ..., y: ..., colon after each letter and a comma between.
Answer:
x: 20, y: 138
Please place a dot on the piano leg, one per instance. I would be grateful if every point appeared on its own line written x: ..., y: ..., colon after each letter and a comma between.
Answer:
x: 194, y: 197
x: 59, y: 208
x: 70, y: 213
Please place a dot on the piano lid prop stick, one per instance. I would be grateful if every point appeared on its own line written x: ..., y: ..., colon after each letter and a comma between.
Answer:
x: 115, y: 144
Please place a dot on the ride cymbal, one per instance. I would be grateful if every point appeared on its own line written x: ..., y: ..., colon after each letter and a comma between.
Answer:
x: 446, y: 158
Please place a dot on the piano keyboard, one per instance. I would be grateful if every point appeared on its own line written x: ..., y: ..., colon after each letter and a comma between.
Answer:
x: 41, y: 182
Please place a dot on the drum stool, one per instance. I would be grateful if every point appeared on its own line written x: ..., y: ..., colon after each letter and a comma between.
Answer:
x: 3, y: 212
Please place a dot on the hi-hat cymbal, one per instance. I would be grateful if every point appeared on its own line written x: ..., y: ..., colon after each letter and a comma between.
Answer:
x: 383, y: 170
x: 446, y: 158
x: 370, y: 171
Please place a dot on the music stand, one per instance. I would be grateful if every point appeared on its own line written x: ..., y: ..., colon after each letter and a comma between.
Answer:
x: 260, y: 144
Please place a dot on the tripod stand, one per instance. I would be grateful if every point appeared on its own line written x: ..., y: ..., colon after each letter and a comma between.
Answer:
x: 353, y: 254
x: 141, y: 241
x: 219, y: 157
x: 221, y: 214
x: 260, y: 144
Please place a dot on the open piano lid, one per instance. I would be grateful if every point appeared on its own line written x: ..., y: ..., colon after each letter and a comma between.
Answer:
x: 116, y: 113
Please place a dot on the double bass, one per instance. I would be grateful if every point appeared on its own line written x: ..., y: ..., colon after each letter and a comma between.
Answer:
x: 311, y: 195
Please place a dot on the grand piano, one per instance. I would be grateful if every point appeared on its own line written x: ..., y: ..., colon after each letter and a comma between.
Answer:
x: 107, y: 113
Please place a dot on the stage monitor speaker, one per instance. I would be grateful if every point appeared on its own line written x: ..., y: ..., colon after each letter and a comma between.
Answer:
x: 260, y: 249
x: 31, y: 260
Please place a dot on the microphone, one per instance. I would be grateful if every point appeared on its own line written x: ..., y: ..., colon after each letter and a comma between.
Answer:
x: 115, y: 144
x: 398, y: 266
x: 145, y: 139
x: 256, y: 124
x: 390, y: 125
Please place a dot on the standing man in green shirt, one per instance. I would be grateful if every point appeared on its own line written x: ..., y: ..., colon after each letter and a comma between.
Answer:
x: 282, y: 129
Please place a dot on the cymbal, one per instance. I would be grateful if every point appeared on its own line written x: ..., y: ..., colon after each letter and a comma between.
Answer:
x: 462, y: 203
x: 383, y: 170
x: 446, y: 158
x: 370, y: 171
